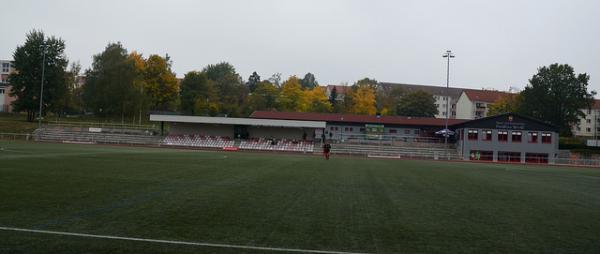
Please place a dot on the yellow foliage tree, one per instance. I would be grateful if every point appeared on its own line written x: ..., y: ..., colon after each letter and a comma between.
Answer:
x: 316, y: 100
x: 363, y: 100
x: 291, y: 96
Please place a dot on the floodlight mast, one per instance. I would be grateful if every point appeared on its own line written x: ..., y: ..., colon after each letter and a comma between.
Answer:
x: 447, y: 55
x: 44, y: 48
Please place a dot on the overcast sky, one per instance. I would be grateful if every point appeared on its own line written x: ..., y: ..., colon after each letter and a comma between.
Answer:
x: 497, y: 43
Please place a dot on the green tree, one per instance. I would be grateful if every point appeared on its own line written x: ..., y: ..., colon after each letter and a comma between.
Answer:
x: 556, y: 94
x: 333, y: 97
x: 232, y: 93
x: 109, y: 89
x: 253, y: 81
x: 198, y: 94
x: 26, y: 81
x: 309, y: 81
x: 417, y: 103
x: 74, y: 99
x: 264, y: 97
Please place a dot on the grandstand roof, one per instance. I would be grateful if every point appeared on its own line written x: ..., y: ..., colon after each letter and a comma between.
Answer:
x: 238, y: 121
x: 349, y: 118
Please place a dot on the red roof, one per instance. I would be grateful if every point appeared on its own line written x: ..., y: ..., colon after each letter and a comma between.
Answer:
x: 485, y: 95
x: 596, y: 104
x: 338, y: 89
x: 367, y: 119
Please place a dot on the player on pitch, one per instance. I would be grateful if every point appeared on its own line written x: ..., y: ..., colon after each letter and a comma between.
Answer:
x: 326, y: 150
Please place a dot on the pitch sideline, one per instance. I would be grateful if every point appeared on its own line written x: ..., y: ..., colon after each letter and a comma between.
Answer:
x: 203, y: 244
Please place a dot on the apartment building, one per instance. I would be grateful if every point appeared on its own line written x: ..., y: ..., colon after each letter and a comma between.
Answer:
x: 441, y: 95
x: 474, y: 104
x: 6, y: 67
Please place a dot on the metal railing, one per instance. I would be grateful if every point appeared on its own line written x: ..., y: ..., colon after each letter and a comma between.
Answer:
x: 16, y: 136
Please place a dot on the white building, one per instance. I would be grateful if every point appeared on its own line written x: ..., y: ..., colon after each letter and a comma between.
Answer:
x: 6, y: 67
x: 440, y: 94
x: 474, y: 104
x: 589, y: 126
x: 339, y: 90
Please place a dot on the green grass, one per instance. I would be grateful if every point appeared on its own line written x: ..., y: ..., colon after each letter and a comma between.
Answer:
x: 289, y: 201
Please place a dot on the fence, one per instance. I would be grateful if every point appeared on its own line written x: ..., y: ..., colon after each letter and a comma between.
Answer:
x: 388, y: 140
x: 99, y: 125
x: 16, y: 136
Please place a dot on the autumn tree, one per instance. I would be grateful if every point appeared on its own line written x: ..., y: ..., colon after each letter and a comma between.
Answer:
x: 418, y: 103
x: 506, y: 104
x: 558, y: 95
x: 387, y: 98
x: 26, y: 82
x: 316, y: 100
x: 160, y: 84
x: 362, y: 97
x: 291, y: 96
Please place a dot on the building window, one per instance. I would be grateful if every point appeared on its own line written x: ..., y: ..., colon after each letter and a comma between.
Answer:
x: 487, y: 135
x: 588, y: 120
x: 476, y: 155
x: 331, y: 128
x: 417, y: 132
x: 536, y: 158
x: 472, y: 134
x: 503, y: 136
x: 350, y: 128
x: 546, y: 138
x: 362, y: 129
x: 1, y: 91
x: 436, y: 105
x: 407, y: 132
x: 445, y: 113
x: 532, y: 137
x: 516, y: 136
x: 509, y: 156
x: 588, y: 129
x: 5, y: 67
x: 393, y: 131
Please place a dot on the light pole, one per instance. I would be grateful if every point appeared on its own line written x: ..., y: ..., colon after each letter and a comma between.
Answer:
x: 42, y: 84
x: 448, y: 55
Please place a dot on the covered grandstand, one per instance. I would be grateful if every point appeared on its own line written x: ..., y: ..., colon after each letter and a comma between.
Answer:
x: 239, y: 133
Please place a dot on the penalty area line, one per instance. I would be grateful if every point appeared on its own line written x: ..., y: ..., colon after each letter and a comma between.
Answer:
x: 203, y: 244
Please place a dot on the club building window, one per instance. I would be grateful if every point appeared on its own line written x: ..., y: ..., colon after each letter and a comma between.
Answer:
x: 509, y: 156
x: 472, y: 134
x: 502, y: 136
x: 536, y: 158
x: 546, y: 138
x: 516, y: 136
x: 487, y: 135
x: 532, y: 137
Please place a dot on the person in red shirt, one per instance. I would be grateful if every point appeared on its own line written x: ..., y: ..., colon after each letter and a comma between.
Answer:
x: 326, y: 150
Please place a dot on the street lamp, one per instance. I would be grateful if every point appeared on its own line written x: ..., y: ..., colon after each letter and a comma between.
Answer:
x: 448, y: 55
x: 43, y: 46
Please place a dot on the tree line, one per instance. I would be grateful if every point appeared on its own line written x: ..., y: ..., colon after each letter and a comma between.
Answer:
x: 128, y: 85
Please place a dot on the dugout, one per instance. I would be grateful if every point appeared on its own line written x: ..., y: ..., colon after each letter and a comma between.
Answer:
x: 243, y: 128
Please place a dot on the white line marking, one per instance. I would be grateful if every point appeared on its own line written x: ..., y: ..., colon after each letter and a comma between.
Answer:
x: 215, y: 245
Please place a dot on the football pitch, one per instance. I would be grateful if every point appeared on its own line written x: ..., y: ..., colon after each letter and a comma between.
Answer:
x: 67, y: 198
